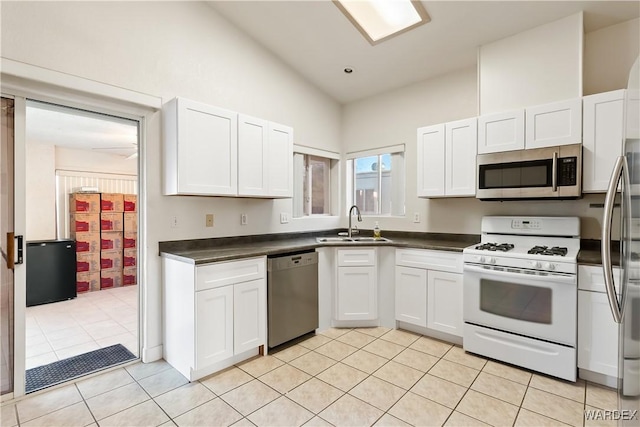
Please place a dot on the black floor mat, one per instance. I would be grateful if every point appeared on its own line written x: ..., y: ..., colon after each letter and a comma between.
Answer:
x: 76, y: 366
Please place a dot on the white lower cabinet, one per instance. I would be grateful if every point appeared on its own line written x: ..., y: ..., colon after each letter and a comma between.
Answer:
x: 411, y: 295
x: 444, y: 301
x: 597, y: 331
x: 356, y: 284
x: 429, y: 289
x: 215, y: 314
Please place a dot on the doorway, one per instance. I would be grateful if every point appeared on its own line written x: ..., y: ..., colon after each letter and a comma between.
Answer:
x: 81, y: 194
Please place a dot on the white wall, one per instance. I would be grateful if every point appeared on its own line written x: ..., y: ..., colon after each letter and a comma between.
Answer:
x: 169, y: 49
x: 534, y: 67
x: 40, y: 192
x: 609, y: 54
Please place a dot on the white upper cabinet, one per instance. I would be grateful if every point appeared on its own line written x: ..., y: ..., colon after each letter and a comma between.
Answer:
x: 460, y: 153
x: 210, y: 151
x: 200, y: 143
x: 431, y: 161
x: 501, y: 132
x: 253, y: 159
x: 602, y: 138
x: 559, y: 123
x: 280, y: 156
x: 447, y: 159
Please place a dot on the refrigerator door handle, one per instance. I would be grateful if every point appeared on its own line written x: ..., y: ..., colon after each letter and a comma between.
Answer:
x: 619, y: 169
x: 19, y: 251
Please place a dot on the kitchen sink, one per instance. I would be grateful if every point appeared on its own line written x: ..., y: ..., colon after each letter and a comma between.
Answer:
x: 351, y: 240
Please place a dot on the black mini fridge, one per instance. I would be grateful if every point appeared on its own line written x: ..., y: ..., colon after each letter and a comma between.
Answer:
x: 51, y: 271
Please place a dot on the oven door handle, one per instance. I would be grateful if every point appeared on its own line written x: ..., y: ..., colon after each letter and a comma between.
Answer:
x: 569, y: 279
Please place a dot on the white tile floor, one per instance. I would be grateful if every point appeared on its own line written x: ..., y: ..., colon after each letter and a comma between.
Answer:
x: 343, y: 377
x: 91, y: 321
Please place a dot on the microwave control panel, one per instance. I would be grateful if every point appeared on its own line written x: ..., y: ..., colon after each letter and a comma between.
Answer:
x: 567, y: 171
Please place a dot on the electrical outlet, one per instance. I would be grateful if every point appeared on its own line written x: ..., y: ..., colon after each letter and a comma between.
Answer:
x: 284, y: 218
x: 416, y: 217
x: 209, y: 220
x: 243, y: 219
x: 174, y: 222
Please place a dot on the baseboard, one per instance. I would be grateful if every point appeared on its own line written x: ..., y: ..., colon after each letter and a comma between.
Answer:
x: 151, y: 354
x: 429, y: 332
x: 598, y: 378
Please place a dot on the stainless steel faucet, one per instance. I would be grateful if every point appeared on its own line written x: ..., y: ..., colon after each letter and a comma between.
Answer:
x: 350, y: 215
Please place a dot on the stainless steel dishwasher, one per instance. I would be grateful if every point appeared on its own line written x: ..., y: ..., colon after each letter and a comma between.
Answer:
x: 292, y: 296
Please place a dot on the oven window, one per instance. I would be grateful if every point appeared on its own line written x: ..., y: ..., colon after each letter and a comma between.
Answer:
x: 535, y: 173
x: 522, y: 302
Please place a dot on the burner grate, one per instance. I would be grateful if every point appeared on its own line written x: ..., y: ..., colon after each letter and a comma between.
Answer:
x: 501, y: 247
x: 545, y: 250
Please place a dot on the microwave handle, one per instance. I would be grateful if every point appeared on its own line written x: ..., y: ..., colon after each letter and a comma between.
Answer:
x: 554, y: 172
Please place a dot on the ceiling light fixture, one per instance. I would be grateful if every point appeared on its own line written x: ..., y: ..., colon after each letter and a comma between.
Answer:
x: 379, y: 20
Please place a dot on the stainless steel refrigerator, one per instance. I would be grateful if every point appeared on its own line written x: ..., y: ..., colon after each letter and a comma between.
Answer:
x: 624, y: 297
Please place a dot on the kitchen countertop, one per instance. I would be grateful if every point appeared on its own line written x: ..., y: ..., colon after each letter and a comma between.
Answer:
x: 203, y: 251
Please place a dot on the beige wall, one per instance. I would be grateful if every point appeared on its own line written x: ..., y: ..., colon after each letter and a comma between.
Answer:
x: 534, y: 67
x: 168, y: 49
x: 40, y: 192
x: 609, y: 54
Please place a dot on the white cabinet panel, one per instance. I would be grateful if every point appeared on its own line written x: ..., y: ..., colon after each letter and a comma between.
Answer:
x: 591, y: 278
x: 603, y: 133
x: 411, y: 295
x: 597, y: 334
x: 431, y: 161
x: 356, y: 293
x: 201, y: 151
x: 554, y: 124
x: 227, y: 273
x: 214, y: 326
x: 356, y: 257
x: 444, y: 302
x: 501, y: 132
x: 280, y: 155
x: 460, y: 153
x: 429, y: 259
x: 252, y: 156
x: 248, y: 315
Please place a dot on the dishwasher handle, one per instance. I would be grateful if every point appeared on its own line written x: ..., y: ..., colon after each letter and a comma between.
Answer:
x: 287, y: 262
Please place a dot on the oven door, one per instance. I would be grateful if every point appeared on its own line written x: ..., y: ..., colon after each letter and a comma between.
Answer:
x: 523, y: 302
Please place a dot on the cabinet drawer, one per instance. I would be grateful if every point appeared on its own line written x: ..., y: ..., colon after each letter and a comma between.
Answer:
x: 356, y: 257
x: 227, y: 273
x: 591, y: 278
x: 430, y: 260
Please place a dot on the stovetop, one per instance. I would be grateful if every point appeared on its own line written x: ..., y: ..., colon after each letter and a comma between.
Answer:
x: 540, y: 243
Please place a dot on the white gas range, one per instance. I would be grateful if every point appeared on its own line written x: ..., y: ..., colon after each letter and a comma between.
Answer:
x: 520, y: 293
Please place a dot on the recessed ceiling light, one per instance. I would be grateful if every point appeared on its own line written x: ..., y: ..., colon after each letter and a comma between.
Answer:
x: 348, y: 70
x: 379, y: 20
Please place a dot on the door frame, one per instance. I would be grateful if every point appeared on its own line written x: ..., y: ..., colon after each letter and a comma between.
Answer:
x: 23, y: 81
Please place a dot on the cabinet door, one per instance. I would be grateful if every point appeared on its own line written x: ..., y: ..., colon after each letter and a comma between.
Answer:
x: 554, y: 124
x: 411, y: 295
x: 207, y: 149
x: 501, y: 132
x: 431, y: 161
x: 461, y: 144
x: 252, y: 156
x: 597, y: 334
x: 248, y: 315
x: 357, y: 293
x: 603, y: 125
x: 444, y: 302
x: 214, y: 326
x: 280, y: 166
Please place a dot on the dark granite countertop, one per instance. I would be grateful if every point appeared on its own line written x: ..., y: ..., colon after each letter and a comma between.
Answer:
x: 590, y: 252
x: 204, y: 251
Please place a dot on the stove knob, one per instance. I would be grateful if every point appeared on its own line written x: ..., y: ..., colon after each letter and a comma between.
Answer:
x: 536, y: 264
x: 492, y: 260
x: 480, y: 258
x: 550, y: 266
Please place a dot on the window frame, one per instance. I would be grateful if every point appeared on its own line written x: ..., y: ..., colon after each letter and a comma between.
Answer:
x: 398, y: 179
x: 331, y: 184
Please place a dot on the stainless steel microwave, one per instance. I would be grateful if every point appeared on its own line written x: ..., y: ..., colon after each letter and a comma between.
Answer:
x: 539, y: 173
